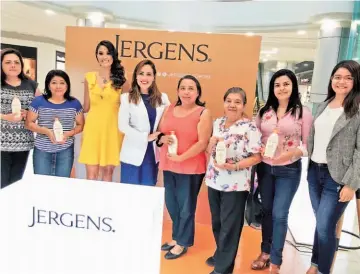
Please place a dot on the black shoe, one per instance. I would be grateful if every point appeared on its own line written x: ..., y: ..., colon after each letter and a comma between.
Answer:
x: 171, y: 256
x: 210, y: 261
x: 166, y: 247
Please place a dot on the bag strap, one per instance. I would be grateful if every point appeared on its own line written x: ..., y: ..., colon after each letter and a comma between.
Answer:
x: 252, y: 179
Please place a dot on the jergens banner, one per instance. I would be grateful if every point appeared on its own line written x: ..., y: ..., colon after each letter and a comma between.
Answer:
x: 219, y: 61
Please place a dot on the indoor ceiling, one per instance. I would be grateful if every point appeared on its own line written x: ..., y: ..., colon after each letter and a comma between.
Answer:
x: 289, y: 37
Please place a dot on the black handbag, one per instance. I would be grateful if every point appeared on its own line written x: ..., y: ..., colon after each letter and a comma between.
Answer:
x: 253, y: 214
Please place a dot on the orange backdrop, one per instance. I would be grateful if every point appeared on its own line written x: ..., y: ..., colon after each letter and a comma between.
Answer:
x: 219, y: 61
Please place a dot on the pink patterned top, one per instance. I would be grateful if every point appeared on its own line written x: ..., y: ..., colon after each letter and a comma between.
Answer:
x: 242, y: 140
x: 293, y: 132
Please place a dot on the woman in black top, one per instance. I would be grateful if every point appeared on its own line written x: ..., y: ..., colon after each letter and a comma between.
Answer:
x: 16, y: 141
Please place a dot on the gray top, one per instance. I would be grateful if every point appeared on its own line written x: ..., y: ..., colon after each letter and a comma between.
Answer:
x: 343, y: 149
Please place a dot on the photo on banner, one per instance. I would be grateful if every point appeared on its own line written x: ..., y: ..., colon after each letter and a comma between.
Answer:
x: 218, y: 61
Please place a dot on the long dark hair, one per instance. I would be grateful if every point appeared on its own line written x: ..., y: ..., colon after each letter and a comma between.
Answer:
x: 60, y: 73
x: 294, y: 101
x: 352, y: 100
x: 134, y: 93
x: 198, y: 87
x: 117, y: 73
x: 7, y: 51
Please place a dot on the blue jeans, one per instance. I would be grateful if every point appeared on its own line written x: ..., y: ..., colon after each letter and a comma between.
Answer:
x: 324, y: 196
x: 181, y: 191
x: 54, y: 164
x: 278, y: 185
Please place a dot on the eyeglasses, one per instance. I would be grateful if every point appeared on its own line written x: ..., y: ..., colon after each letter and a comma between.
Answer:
x: 346, y: 79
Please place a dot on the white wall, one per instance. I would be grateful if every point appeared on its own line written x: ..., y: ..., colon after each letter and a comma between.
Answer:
x: 46, y: 55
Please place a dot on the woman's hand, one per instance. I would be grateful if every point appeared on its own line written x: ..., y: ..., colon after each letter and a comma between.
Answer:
x: 175, y: 158
x: 346, y: 194
x: 23, y: 114
x: 226, y: 166
x: 12, y: 117
x: 282, y: 158
x: 153, y: 136
x: 66, y: 136
x: 51, y: 135
x: 166, y: 139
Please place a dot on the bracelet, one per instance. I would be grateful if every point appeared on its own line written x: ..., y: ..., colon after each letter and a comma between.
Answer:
x: 158, y: 140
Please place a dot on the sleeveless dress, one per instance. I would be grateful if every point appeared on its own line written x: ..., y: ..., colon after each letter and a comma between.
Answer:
x: 101, y: 141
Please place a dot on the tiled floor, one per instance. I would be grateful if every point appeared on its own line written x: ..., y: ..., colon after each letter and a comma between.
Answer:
x: 194, y: 261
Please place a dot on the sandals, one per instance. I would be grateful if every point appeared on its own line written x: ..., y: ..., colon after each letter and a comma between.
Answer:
x: 262, y: 262
x: 274, y: 269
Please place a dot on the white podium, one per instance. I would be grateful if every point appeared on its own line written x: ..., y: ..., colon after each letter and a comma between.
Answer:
x: 72, y: 226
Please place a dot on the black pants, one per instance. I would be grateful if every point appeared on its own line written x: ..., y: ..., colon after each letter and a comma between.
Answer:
x: 181, y: 191
x: 12, y: 166
x: 227, y: 214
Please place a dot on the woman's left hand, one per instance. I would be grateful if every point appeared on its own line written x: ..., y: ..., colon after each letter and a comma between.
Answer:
x: 175, y: 158
x: 346, y: 194
x: 226, y: 166
x: 23, y: 114
x: 282, y: 158
x: 66, y: 135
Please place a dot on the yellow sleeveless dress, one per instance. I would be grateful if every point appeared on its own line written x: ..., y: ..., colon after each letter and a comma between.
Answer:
x: 102, y: 140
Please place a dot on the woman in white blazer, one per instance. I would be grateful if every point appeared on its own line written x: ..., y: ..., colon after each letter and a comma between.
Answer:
x: 140, y: 112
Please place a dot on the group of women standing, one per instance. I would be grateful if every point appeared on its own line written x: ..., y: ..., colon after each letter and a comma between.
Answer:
x: 140, y: 133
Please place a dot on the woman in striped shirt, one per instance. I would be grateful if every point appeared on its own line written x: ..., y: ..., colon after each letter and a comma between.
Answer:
x: 53, y: 157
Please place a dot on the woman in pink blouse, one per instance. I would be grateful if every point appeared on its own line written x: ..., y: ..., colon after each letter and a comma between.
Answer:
x: 279, y: 177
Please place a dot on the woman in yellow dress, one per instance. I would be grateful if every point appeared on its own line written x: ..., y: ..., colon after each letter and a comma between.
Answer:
x: 102, y: 140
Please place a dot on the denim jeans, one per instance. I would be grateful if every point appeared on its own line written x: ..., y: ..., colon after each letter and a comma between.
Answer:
x: 278, y: 185
x: 324, y: 196
x: 54, y: 164
x: 181, y: 191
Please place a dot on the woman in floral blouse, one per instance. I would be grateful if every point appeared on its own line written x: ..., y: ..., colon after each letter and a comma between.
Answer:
x: 279, y: 177
x: 229, y: 184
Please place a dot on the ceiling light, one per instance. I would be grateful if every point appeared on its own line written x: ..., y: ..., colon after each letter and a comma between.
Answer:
x: 328, y: 24
x: 49, y: 12
x: 208, y: 32
x: 265, y: 60
x: 301, y: 32
x: 123, y: 26
x: 171, y: 30
x: 250, y: 34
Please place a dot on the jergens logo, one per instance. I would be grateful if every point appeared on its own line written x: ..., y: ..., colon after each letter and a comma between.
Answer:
x: 72, y: 220
x: 161, y: 50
